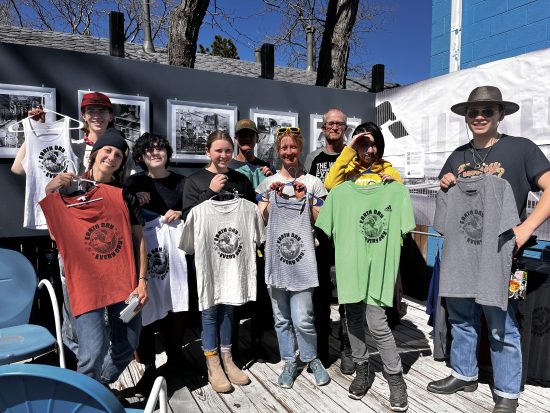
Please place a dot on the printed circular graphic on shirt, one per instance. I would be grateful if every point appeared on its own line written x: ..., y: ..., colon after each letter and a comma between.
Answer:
x: 471, y: 225
x: 228, y: 243
x: 104, y: 240
x: 290, y: 248
x: 52, y: 160
x: 373, y: 226
x: 541, y: 321
x: 158, y: 263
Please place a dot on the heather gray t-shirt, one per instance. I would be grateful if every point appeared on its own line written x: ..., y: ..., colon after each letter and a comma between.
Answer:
x: 475, y: 215
x: 290, y: 262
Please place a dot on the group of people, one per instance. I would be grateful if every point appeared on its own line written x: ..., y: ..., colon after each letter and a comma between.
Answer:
x: 295, y: 271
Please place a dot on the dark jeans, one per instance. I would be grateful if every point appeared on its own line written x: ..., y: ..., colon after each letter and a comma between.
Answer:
x: 171, y: 329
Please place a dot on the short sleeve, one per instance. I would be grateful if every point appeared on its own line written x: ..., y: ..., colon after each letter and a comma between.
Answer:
x: 259, y: 227
x: 447, y: 167
x: 264, y: 185
x: 509, y: 217
x: 440, y: 215
x: 187, y: 241
x: 318, y: 187
x: 535, y: 163
x: 325, y: 220
x: 407, y: 214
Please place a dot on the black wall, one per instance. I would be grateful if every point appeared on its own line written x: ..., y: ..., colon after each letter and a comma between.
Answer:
x: 68, y: 72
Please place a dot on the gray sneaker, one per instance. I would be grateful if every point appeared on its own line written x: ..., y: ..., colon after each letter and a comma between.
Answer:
x: 287, y: 377
x: 319, y: 372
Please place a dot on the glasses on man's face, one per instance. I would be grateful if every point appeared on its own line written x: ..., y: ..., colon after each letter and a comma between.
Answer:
x: 291, y: 129
x: 486, y: 113
x: 335, y: 124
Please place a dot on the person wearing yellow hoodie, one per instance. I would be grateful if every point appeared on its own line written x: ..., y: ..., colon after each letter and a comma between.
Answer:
x: 361, y: 160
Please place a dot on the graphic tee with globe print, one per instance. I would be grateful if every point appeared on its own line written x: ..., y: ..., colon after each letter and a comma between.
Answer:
x: 476, y: 259
x: 290, y: 251
x: 367, y: 225
x: 223, y: 236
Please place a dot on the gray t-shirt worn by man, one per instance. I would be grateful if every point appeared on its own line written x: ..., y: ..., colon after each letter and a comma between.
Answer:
x: 475, y: 216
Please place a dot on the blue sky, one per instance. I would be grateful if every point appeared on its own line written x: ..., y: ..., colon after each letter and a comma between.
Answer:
x: 402, y: 44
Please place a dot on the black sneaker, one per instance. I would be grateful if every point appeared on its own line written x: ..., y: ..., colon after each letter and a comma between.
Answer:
x: 361, y: 383
x: 347, y: 365
x: 398, y: 392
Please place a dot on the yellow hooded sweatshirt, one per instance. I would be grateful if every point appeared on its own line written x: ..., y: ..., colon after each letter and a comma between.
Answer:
x: 348, y: 166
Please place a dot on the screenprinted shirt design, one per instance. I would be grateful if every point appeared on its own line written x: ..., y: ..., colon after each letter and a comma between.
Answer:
x: 53, y: 160
x: 471, y: 226
x: 228, y: 243
x: 158, y: 263
x: 104, y: 240
x: 290, y: 248
x: 373, y: 224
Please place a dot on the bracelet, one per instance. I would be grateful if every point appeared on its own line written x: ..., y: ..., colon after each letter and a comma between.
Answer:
x: 143, y: 277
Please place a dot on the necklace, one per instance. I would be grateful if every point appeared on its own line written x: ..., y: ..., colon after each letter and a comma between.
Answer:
x: 478, y: 160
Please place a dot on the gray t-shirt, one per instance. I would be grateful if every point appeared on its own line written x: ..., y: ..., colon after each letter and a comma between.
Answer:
x: 475, y: 216
x: 290, y: 252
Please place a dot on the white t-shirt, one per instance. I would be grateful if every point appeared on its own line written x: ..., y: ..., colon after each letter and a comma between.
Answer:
x: 48, y: 152
x: 223, y: 235
x: 166, y: 269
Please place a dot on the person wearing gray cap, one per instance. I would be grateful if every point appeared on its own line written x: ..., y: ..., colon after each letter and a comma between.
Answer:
x: 520, y: 162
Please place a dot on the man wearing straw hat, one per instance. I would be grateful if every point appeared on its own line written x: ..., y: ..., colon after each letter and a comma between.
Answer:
x: 520, y: 162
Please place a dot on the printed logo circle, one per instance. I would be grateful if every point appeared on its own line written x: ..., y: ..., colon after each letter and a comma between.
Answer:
x: 227, y: 243
x: 158, y: 263
x: 373, y: 226
x: 104, y: 240
x: 290, y: 247
x: 52, y: 160
x: 471, y: 225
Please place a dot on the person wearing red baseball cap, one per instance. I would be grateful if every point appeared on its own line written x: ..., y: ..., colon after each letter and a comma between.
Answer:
x: 96, y: 110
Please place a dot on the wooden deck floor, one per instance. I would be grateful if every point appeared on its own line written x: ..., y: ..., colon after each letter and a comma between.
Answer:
x: 189, y: 389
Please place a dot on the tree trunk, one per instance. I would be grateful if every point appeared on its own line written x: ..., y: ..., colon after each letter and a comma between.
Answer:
x: 185, y: 22
x: 334, y: 52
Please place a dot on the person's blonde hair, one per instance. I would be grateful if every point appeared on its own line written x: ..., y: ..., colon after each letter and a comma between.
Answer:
x: 297, y: 136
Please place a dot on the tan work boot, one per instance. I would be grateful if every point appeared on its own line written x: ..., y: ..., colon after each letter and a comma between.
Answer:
x: 235, y: 374
x: 216, y: 376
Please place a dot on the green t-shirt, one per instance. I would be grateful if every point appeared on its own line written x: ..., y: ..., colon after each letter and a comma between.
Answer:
x: 367, y: 225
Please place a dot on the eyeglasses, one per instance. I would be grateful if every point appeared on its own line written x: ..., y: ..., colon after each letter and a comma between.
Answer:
x: 291, y: 129
x: 333, y: 124
x: 486, y: 113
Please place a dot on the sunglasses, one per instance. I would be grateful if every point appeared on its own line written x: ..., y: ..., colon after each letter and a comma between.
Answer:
x: 291, y: 129
x: 486, y: 113
x: 158, y: 146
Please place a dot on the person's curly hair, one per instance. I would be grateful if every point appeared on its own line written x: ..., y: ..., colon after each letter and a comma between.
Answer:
x: 149, y: 140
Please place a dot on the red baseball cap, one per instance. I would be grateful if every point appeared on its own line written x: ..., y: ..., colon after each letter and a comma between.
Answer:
x: 95, y: 98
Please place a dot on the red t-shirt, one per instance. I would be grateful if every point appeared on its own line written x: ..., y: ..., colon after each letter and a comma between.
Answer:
x: 95, y: 241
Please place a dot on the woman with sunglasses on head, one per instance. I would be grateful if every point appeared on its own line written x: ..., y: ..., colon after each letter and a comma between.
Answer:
x: 291, y: 268
x: 160, y: 193
x: 217, y: 179
x: 103, y: 267
x: 361, y: 160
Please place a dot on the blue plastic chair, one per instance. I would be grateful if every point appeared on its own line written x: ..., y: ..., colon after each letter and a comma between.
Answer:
x: 35, y: 388
x: 20, y: 340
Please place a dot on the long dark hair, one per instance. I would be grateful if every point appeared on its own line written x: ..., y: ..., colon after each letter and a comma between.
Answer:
x: 376, y: 133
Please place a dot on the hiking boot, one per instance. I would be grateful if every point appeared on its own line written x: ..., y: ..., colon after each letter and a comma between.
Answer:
x: 450, y: 385
x: 234, y: 374
x: 287, y: 377
x: 347, y: 365
x: 505, y: 405
x: 216, y: 376
x: 398, y: 392
x: 320, y: 374
x: 361, y: 383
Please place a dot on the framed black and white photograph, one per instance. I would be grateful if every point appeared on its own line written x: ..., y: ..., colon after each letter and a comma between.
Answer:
x: 131, y: 113
x: 15, y: 103
x: 317, y: 136
x: 268, y: 121
x: 190, y: 123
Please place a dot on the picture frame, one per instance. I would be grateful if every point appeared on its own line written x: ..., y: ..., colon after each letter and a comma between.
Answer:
x: 131, y: 113
x: 317, y: 136
x: 268, y: 121
x: 15, y: 102
x: 190, y: 123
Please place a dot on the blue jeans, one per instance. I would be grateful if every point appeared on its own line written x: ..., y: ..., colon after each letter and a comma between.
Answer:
x: 218, y: 318
x: 293, y: 315
x: 504, y: 337
x: 98, y: 359
x: 68, y: 329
